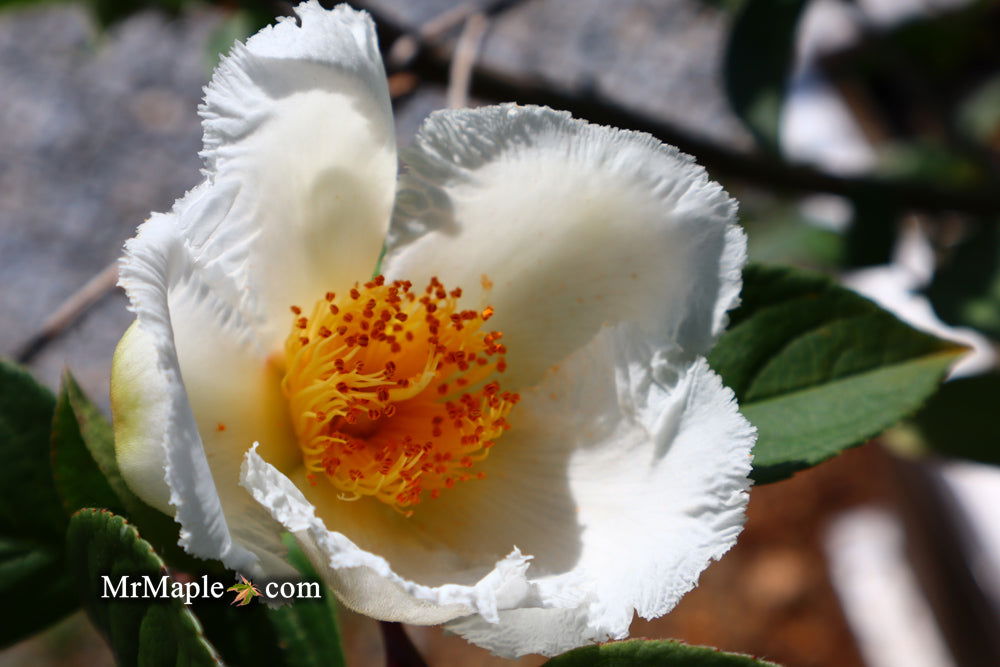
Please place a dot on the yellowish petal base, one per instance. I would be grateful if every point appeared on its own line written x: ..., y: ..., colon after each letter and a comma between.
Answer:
x: 392, y: 393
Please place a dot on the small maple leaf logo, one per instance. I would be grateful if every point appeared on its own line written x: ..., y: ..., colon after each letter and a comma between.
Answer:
x: 245, y: 592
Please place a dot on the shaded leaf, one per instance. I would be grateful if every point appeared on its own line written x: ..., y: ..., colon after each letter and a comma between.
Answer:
x: 30, y: 504
x: 645, y: 653
x: 818, y: 369
x: 966, y: 286
x: 140, y: 631
x: 33, y: 576
x: 93, y: 450
x: 303, y: 633
x: 81, y: 482
x: 960, y: 420
x: 32, y: 522
x: 308, y: 627
x: 758, y: 60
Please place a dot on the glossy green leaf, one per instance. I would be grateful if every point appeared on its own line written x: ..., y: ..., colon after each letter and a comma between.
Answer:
x: 32, y: 522
x: 160, y: 632
x: 818, y: 369
x: 961, y: 419
x: 645, y: 653
x: 758, y: 60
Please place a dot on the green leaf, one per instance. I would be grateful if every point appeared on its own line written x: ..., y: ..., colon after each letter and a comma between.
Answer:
x: 644, y: 653
x: 32, y: 522
x: 241, y: 635
x: 783, y: 237
x: 33, y: 577
x: 818, y: 369
x: 758, y: 58
x: 960, y: 420
x: 29, y: 504
x: 308, y: 631
x: 966, y: 286
x: 158, y: 632
x: 86, y: 470
x: 308, y: 627
x: 300, y: 634
x: 80, y: 480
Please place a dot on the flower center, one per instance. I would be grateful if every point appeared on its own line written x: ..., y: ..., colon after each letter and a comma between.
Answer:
x: 391, y: 393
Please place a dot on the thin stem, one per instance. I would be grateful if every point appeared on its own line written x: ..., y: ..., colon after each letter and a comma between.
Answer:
x: 399, y: 650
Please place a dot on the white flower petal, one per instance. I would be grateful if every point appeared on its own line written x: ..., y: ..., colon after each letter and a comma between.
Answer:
x: 575, y: 224
x: 301, y: 160
x: 156, y: 263
x: 142, y: 427
x: 142, y: 417
x: 197, y: 350
x: 366, y: 582
x: 619, y: 489
x: 652, y: 485
x: 300, y: 167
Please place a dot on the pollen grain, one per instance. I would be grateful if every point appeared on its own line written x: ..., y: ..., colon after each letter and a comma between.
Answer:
x: 393, y: 392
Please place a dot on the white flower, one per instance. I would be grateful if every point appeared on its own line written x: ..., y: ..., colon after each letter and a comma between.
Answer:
x: 606, y: 259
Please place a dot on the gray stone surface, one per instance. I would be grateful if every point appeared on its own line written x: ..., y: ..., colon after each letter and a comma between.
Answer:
x: 658, y: 57
x: 95, y: 131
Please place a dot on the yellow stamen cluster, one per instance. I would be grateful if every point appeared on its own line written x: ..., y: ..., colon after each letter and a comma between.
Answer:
x: 391, y: 392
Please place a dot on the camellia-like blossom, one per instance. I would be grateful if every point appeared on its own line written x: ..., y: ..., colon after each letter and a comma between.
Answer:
x: 510, y: 429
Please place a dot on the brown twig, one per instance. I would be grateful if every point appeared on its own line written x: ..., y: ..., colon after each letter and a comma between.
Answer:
x: 462, y: 64
x: 68, y: 312
x: 407, y: 45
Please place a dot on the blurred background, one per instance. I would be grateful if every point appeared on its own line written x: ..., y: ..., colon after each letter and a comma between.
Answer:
x: 862, y: 138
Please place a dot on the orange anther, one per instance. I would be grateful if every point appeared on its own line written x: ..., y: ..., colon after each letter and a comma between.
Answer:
x: 367, y: 396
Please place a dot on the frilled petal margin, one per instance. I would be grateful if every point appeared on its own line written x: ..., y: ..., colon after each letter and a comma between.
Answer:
x: 619, y: 491
x: 574, y: 225
x: 364, y: 581
x: 301, y: 154
x: 162, y: 283
x: 300, y: 168
x: 657, y: 481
